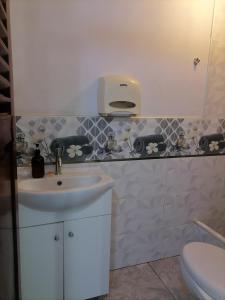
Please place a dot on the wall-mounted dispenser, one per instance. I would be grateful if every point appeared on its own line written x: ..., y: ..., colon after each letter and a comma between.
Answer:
x: 118, y: 96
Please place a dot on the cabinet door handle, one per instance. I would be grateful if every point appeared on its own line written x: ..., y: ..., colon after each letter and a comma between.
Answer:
x: 56, y: 237
x: 71, y: 234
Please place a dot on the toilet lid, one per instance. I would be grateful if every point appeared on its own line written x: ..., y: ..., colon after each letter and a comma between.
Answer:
x: 206, y: 265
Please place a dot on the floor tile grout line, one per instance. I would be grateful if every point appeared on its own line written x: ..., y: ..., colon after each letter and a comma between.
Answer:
x: 154, y: 271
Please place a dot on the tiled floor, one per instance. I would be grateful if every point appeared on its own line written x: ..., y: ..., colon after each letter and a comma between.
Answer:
x: 158, y: 280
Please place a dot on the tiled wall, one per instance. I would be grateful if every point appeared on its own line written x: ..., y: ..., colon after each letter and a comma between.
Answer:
x: 114, y: 138
x: 154, y: 201
x: 214, y: 106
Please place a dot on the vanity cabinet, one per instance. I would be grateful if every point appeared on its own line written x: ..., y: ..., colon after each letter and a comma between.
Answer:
x: 65, y: 237
x: 66, y: 260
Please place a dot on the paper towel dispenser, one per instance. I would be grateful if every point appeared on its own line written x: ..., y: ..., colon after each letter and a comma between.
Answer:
x: 118, y: 96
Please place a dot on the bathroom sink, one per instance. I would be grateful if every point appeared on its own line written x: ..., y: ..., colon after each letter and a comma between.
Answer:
x: 72, y: 190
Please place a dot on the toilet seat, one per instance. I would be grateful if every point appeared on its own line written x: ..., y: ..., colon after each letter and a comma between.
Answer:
x: 193, y: 286
x: 205, y: 264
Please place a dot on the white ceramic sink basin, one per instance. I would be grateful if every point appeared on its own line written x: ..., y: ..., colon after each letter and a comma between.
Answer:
x: 58, y: 193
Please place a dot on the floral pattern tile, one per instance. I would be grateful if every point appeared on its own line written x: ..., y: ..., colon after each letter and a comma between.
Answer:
x: 119, y: 138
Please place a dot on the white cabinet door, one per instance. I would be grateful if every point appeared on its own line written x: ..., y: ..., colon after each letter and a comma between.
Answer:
x: 41, y: 257
x: 86, y: 257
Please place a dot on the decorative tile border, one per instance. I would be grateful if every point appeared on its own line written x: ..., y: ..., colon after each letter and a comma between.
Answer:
x: 118, y: 138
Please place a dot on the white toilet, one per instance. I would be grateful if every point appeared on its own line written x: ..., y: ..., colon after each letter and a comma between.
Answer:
x: 203, y: 268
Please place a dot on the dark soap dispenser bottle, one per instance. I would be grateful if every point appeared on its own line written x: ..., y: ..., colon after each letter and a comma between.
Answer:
x: 38, y: 164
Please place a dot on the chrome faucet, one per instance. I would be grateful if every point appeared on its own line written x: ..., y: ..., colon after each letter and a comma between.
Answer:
x: 58, y: 160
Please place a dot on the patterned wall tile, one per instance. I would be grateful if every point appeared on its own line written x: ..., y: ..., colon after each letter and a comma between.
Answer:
x: 174, y: 239
x: 114, y: 138
x: 154, y: 206
x: 170, y: 129
x: 214, y: 106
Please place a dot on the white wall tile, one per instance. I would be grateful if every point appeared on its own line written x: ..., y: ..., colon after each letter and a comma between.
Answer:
x: 156, y: 202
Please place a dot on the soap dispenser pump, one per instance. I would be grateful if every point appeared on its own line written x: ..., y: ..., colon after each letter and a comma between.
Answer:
x: 38, y: 164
